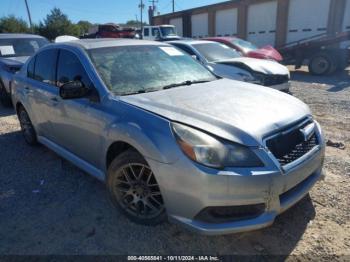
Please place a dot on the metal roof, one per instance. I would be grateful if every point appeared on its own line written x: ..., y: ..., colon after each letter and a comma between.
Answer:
x: 109, y: 42
x: 16, y: 35
x: 192, y: 41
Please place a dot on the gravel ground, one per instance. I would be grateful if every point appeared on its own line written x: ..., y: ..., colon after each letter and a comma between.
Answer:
x: 47, y: 206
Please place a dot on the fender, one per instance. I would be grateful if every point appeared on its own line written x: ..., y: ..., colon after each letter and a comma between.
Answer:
x: 151, y: 136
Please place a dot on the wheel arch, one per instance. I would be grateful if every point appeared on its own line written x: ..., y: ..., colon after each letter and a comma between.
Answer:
x: 18, y: 106
x: 117, y: 148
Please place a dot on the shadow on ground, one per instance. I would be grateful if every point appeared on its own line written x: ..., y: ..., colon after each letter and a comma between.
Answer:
x: 48, y: 206
x: 336, y: 82
x: 6, y: 111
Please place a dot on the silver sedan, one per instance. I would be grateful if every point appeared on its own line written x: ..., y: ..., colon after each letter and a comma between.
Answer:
x: 170, y: 139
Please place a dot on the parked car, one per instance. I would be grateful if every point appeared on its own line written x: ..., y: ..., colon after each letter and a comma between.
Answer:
x: 226, y: 62
x: 110, y: 30
x: 169, y: 138
x: 14, y: 51
x: 248, y: 49
x: 160, y: 33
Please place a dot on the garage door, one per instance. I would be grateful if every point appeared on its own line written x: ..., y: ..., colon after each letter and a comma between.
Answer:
x: 307, y: 18
x: 226, y: 22
x: 262, y: 23
x: 177, y: 22
x: 199, y: 25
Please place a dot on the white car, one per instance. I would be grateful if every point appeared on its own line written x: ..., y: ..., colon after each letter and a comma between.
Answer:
x: 228, y: 63
x: 160, y: 33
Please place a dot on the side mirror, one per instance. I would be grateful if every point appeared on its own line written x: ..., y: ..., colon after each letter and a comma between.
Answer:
x: 73, y: 89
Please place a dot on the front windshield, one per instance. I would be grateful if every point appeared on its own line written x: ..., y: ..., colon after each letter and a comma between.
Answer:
x: 20, y: 46
x: 216, y: 52
x: 168, y: 31
x: 247, y: 46
x: 135, y: 69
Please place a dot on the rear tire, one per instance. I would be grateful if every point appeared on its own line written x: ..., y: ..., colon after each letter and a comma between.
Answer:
x: 134, y: 190
x: 27, y: 127
x: 322, y: 64
x: 5, y: 97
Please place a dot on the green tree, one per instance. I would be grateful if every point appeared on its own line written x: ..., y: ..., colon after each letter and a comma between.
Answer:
x: 84, y: 26
x: 134, y: 23
x: 56, y: 23
x: 12, y: 24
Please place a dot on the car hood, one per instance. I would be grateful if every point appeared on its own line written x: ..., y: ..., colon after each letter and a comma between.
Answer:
x: 234, y: 110
x: 266, y: 52
x: 14, y: 61
x: 258, y: 65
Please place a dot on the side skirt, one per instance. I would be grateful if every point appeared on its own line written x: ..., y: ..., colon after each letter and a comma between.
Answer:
x: 82, y: 164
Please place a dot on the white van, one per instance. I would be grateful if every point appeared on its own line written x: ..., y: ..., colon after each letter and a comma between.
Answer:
x: 160, y: 33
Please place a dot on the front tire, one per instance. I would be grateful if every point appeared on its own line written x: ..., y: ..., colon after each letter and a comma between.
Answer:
x: 134, y: 190
x: 27, y: 127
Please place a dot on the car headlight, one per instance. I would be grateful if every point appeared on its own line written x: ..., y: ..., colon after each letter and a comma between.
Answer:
x: 209, y: 151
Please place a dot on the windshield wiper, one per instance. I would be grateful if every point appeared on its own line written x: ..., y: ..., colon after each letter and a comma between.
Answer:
x: 185, y: 83
x: 141, y: 91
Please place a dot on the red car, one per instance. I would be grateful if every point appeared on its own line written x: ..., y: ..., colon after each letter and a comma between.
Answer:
x: 110, y: 30
x: 248, y: 49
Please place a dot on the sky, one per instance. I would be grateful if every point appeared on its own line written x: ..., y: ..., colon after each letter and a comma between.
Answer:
x: 95, y: 11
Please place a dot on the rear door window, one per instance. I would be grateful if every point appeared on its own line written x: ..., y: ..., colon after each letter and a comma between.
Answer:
x: 45, y: 66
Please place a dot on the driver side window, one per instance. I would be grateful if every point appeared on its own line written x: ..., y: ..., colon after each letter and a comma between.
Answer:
x: 155, y: 32
x: 70, y: 69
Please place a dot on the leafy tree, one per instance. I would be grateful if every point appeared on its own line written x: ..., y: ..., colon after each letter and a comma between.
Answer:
x: 134, y: 23
x: 84, y: 26
x: 12, y: 24
x: 56, y: 23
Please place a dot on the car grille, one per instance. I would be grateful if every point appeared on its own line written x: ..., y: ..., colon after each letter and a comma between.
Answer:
x: 291, y: 146
x: 271, y: 80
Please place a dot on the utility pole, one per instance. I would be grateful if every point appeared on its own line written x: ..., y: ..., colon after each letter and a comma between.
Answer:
x: 151, y: 11
x: 141, y: 6
x: 154, y: 7
x: 29, y: 16
x: 173, y: 6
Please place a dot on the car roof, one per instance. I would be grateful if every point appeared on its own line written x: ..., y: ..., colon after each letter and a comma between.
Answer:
x: 16, y: 35
x: 224, y: 38
x: 108, y: 42
x: 191, y: 42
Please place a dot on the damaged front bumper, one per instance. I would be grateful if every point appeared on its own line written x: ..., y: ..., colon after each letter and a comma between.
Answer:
x: 282, y: 87
x: 189, y: 190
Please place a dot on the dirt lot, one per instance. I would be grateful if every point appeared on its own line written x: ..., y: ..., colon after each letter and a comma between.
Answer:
x: 47, y: 206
